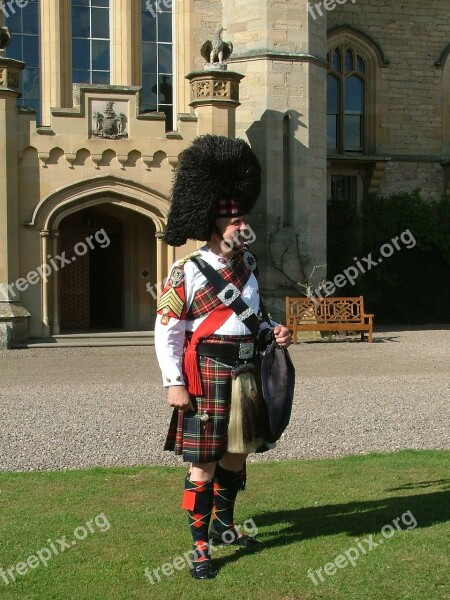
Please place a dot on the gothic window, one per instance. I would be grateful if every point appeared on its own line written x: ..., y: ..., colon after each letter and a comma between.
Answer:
x: 91, y: 41
x: 157, y: 58
x: 346, y: 101
x: 23, y: 24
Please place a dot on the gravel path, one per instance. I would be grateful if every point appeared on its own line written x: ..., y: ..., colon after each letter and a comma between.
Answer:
x: 82, y: 407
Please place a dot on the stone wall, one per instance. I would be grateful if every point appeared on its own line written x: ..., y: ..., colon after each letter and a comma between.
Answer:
x: 412, y: 109
x: 279, y: 48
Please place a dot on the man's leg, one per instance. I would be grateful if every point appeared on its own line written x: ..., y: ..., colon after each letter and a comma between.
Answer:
x: 198, y: 501
x: 228, y: 480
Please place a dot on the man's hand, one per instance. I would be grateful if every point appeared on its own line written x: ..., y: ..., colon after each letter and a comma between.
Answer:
x: 282, y: 336
x: 178, y: 397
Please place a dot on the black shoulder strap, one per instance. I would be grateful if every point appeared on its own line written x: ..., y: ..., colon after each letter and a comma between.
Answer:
x: 229, y: 294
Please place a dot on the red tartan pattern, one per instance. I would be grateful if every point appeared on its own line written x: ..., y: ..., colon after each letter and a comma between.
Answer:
x: 188, y: 436
x: 206, y: 300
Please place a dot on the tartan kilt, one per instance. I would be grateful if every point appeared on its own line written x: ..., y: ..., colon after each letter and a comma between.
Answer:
x: 204, y: 441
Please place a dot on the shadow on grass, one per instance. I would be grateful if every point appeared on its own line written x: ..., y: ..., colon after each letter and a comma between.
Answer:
x: 354, y: 518
x: 422, y: 484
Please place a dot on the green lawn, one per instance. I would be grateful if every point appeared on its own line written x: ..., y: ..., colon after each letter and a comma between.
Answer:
x: 307, y: 512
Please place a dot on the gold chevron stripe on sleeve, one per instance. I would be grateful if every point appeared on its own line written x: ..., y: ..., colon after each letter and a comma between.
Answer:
x: 172, y: 301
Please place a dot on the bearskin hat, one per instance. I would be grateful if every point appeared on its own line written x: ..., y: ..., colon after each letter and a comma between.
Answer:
x: 213, y: 169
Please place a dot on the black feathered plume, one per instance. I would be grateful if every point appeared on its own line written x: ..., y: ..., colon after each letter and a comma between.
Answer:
x: 212, y: 168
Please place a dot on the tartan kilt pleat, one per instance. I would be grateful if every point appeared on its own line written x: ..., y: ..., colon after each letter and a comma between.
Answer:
x: 204, y: 440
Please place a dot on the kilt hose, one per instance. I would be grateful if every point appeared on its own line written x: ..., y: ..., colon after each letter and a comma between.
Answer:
x: 202, y: 436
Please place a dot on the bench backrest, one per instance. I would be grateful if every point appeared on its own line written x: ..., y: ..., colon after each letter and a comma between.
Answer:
x: 324, y: 310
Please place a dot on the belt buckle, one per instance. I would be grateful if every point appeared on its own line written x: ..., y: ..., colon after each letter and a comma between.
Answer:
x: 246, y: 350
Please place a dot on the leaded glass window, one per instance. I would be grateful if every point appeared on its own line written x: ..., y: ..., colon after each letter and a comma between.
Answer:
x: 23, y: 24
x: 91, y: 41
x: 157, y: 58
x: 346, y: 101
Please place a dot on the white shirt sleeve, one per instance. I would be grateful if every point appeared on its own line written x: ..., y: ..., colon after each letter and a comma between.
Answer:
x: 169, y: 343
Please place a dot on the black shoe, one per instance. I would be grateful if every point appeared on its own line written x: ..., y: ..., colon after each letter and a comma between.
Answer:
x: 231, y: 538
x: 202, y: 570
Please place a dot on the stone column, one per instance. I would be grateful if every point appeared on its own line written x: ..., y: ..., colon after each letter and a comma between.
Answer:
x: 215, y: 97
x: 13, y: 316
x: 281, y: 49
x: 126, y: 47
x: 46, y: 293
x: 56, y: 56
x: 56, y: 324
x: 184, y: 51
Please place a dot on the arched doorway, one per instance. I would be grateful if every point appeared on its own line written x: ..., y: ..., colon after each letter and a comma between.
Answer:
x: 136, y: 214
x: 91, y: 287
x: 113, y: 256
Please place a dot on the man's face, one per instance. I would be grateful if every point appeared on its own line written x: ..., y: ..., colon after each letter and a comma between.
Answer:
x: 234, y: 233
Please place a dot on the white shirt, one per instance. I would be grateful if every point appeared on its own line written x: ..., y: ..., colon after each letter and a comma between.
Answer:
x: 170, y: 337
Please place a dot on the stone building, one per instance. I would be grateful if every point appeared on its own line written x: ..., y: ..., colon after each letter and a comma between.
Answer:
x: 337, y: 98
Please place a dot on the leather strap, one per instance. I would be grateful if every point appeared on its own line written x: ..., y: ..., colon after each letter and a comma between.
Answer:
x: 232, y: 351
x: 229, y: 295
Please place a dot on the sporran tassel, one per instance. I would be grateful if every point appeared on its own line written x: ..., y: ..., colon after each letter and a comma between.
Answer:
x: 245, y: 417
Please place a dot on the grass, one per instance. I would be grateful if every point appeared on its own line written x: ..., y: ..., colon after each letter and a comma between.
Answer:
x: 307, y: 513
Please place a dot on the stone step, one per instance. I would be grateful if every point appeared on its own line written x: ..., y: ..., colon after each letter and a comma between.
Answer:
x: 89, y: 339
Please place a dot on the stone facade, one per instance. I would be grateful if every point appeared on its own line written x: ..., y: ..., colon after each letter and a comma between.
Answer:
x: 283, y: 117
x: 62, y: 179
x: 411, y: 90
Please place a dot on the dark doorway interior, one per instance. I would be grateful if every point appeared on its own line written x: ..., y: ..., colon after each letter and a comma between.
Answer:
x: 105, y: 281
x: 91, y: 287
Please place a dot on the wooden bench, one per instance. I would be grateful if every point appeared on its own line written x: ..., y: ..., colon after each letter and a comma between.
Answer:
x: 327, y: 314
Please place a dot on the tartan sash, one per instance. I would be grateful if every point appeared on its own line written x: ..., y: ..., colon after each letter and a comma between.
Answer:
x: 229, y: 295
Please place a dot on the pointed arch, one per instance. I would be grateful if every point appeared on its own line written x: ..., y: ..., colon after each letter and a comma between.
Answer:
x: 92, y: 192
x: 117, y: 190
x: 360, y: 39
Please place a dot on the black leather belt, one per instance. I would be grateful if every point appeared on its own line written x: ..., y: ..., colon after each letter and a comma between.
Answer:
x: 231, y: 351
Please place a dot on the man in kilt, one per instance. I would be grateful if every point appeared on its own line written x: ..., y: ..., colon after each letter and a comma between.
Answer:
x: 205, y: 350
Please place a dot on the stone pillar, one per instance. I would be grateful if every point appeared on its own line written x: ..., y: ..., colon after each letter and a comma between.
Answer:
x: 13, y: 316
x: 184, y: 51
x: 281, y: 50
x: 215, y: 97
x: 126, y: 48
x: 56, y: 324
x: 56, y: 53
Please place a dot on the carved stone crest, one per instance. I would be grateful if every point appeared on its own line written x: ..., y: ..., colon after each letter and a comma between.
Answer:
x: 109, y: 120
